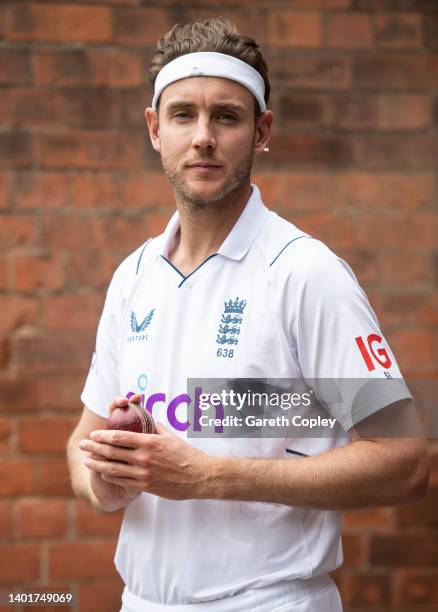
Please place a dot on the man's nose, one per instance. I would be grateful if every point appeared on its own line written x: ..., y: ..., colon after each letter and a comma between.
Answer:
x: 204, y: 136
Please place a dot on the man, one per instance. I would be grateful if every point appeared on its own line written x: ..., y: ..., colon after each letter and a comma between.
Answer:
x: 232, y: 291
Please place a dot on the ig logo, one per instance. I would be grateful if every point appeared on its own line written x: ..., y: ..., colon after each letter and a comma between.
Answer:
x: 369, y: 353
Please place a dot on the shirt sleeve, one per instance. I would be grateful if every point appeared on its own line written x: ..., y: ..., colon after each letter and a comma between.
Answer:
x: 341, y: 350
x: 101, y: 385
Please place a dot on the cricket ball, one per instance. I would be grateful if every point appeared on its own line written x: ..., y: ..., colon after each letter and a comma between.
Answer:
x: 131, y: 418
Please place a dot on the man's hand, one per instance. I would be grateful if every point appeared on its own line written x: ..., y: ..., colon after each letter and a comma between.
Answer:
x: 160, y: 463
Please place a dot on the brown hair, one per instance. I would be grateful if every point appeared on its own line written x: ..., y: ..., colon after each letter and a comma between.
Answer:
x: 218, y: 35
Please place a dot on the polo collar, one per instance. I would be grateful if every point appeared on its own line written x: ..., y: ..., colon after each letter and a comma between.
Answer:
x: 242, y: 234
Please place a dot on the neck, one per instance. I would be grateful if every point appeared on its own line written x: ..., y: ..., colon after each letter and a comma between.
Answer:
x: 203, y: 230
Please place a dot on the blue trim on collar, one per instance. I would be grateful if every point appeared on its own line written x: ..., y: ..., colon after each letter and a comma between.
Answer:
x: 174, y: 267
x: 285, y: 247
x: 141, y: 254
x: 197, y: 268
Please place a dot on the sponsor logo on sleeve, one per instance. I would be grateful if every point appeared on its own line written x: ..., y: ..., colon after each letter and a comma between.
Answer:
x: 372, y: 352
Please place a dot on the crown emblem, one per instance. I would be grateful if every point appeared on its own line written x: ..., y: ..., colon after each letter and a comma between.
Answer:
x: 196, y: 72
x: 237, y: 306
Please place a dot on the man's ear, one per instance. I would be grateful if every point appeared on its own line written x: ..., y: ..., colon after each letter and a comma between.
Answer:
x: 263, y: 131
x: 154, y: 128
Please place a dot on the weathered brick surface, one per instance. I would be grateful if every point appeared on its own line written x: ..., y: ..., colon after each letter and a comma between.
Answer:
x: 352, y: 161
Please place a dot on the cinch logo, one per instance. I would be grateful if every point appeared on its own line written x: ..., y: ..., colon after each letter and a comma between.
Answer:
x: 380, y: 356
x: 183, y: 398
x: 138, y: 329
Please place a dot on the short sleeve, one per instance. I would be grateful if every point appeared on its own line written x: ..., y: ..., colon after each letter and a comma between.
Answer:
x: 340, y: 348
x: 102, y: 385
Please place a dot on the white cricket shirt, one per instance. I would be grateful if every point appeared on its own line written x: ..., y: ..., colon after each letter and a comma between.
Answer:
x: 296, y: 311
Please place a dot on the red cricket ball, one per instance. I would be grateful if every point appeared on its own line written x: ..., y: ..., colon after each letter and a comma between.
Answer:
x: 131, y: 418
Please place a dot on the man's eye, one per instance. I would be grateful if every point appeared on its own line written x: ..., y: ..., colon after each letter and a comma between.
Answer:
x: 182, y: 115
x: 226, y: 116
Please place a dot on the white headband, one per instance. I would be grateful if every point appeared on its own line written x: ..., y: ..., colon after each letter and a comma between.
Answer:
x: 207, y: 63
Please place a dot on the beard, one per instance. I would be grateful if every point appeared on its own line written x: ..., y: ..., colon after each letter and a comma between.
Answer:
x: 233, y: 186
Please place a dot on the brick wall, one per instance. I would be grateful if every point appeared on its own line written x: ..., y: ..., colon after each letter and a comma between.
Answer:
x: 353, y: 161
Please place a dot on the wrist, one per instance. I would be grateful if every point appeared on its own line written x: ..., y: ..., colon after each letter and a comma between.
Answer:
x: 224, y: 479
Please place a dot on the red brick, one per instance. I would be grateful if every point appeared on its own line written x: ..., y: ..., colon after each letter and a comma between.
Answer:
x: 127, y: 233
x: 16, y: 312
x: 5, y: 355
x: 404, y: 112
x: 45, y: 354
x: 23, y: 563
x: 354, y: 112
x: 349, y: 30
x: 89, y: 107
x: 81, y: 234
x: 5, y: 435
x: 107, y: 592
x: 366, y: 589
x: 398, y: 268
x: 90, y: 522
x: 413, y: 347
x: 383, y: 190
x: 40, y: 190
x: 21, y: 392
x: 297, y: 70
x: 52, y: 477
x: 5, y: 189
x: 147, y: 190
x: 90, y: 268
x: 48, y: 22
x: 16, y: 477
x: 44, y: 435
x: 396, y: 152
x: 42, y: 518
x: 96, y: 190
x: 295, y: 110
x: 60, y: 394
x: 375, y: 519
x: 6, y: 520
x: 90, y: 150
x: 337, y: 230
x: 66, y: 312
x: 3, y: 274
x: 15, y: 151
x: 407, y: 309
x: 397, y: 30
x: 422, y: 514
x: 390, y: 5
x: 156, y: 222
x: 29, y: 107
x: 430, y: 31
x: 294, y: 29
x: 416, y: 587
x: 354, y: 550
x: 113, y: 67
x: 291, y: 192
x: 76, y: 560
x: 393, y: 231
x: 396, y: 71
x: 139, y: 26
x: 16, y: 231
x: 32, y: 272
x: 307, y: 149
x: 131, y: 104
x: 404, y: 549
x: 14, y: 67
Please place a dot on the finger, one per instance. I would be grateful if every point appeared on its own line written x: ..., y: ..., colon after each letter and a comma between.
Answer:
x: 118, y: 437
x: 113, y: 468
x: 118, y: 402
x: 106, y: 451
x: 126, y: 483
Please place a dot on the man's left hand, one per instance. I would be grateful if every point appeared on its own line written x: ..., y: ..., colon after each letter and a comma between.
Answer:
x: 160, y: 463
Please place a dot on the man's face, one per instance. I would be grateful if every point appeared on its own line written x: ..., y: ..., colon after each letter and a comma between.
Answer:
x: 205, y: 132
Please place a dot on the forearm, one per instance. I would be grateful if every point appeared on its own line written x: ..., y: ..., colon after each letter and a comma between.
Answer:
x: 358, y: 475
